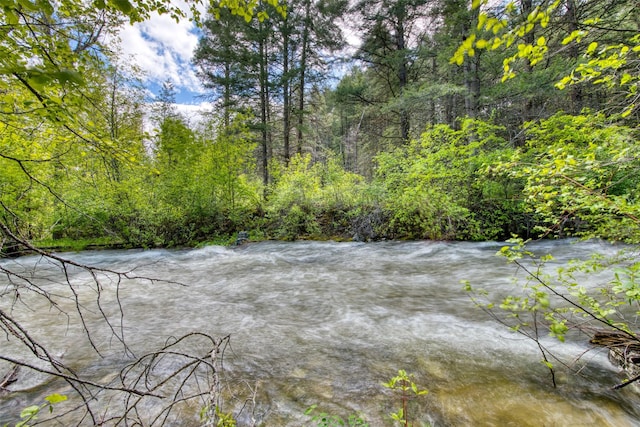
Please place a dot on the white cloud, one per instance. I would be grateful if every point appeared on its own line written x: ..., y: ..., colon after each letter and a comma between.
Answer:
x: 163, y: 49
x: 194, y: 112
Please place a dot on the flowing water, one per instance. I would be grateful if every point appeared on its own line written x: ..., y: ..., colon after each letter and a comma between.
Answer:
x: 327, y: 323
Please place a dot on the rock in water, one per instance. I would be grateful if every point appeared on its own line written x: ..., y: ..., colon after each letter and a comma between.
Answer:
x: 624, y: 350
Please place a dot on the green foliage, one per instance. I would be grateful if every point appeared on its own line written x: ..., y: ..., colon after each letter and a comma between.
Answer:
x: 20, y: 173
x: 435, y: 183
x: 555, y: 302
x: 326, y: 420
x: 403, y: 385
x: 176, y: 144
x: 221, y: 419
x: 581, y: 176
x: 501, y: 34
x: 77, y: 244
x: 67, y: 132
x: 605, y: 64
x: 608, y: 65
x: 247, y: 8
x: 303, y: 192
x: 31, y: 414
x: 221, y: 174
x: 197, y: 188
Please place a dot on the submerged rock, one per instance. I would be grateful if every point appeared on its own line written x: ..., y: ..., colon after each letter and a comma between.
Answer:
x: 624, y: 350
x: 242, y: 238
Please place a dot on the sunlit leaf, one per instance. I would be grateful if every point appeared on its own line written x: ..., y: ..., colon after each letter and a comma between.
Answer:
x: 55, y: 398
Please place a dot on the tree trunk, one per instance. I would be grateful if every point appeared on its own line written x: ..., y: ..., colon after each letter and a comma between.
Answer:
x: 574, y: 53
x: 472, y: 74
x: 528, y: 113
x: 286, y: 120
x: 264, y: 99
x: 303, y: 70
x: 227, y: 96
x: 403, y: 78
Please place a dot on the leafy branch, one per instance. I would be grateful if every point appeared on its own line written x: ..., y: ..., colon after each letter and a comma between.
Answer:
x: 403, y: 385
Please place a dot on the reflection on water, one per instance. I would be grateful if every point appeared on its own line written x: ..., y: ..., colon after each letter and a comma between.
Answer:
x: 327, y: 323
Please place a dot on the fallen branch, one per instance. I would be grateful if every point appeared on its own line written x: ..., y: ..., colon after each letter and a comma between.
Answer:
x: 9, y: 378
x: 626, y: 383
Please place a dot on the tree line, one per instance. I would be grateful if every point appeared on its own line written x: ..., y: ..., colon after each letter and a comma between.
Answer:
x: 409, y: 141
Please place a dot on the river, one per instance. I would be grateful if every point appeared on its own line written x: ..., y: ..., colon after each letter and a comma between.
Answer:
x: 325, y: 323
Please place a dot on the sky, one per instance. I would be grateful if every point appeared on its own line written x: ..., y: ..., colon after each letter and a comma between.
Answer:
x: 163, y: 49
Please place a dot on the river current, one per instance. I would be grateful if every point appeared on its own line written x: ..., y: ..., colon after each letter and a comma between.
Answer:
x: 326, y: 323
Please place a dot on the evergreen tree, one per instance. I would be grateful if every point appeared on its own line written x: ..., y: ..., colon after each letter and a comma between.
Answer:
x: 227, y: 62
x: 165, y: 105
x: 318, y: 36
x: 391, y: 34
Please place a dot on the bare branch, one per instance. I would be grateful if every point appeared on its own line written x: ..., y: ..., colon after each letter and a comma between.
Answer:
x: 76, y: 379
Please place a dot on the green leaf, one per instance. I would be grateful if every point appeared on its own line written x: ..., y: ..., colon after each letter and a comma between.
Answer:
x: 55, y: 398
x: 30, y: 411
x: 626, y: 78
x: 26, y: 4
x: 482, y: 18
x: 69, y: 76
x: 571, y: 37
x: 627, y: 112
x: 123, y: 5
